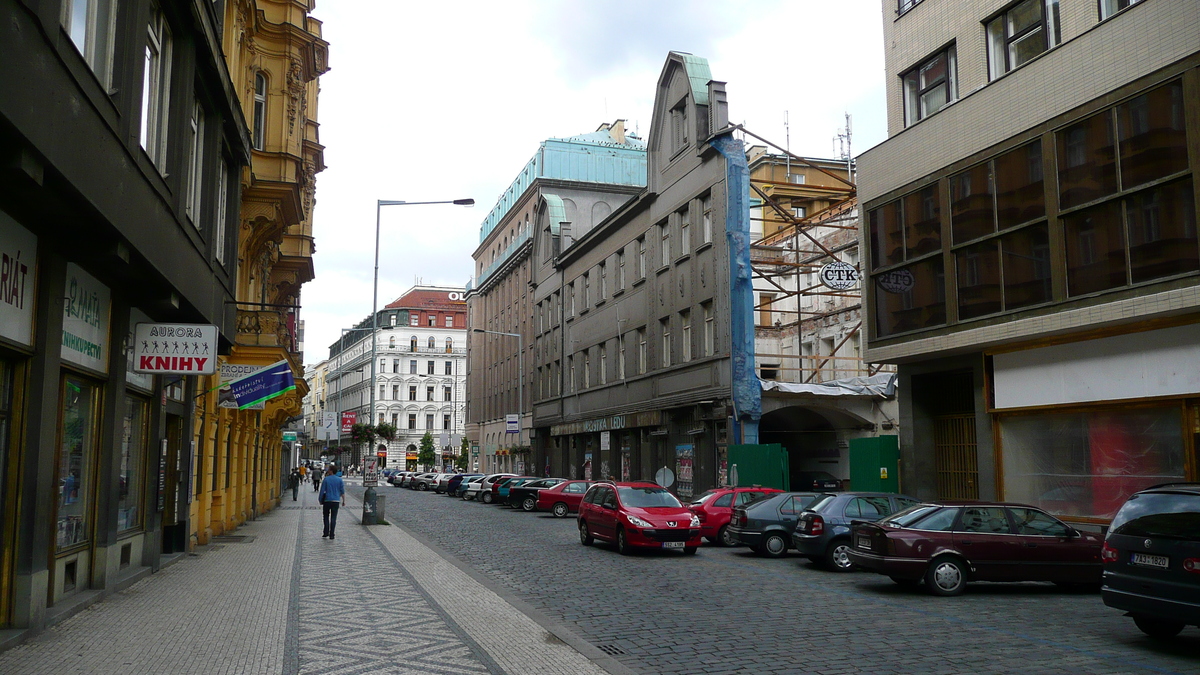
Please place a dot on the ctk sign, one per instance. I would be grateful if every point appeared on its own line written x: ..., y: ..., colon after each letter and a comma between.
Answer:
x: 175, y: 349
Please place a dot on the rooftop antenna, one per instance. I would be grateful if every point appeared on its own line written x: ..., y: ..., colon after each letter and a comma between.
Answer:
x: 841, y: 145
x: 787, y: 145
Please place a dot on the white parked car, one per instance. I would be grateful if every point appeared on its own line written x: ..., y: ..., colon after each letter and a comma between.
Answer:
x: 476, y: 488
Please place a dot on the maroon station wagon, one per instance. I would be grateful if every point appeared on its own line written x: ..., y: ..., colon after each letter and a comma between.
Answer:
x: 946, y: 544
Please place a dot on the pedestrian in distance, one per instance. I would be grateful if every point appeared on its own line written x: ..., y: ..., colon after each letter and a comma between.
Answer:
x: 332, y: 496
x: 316, y: 478
x: 294, y: 482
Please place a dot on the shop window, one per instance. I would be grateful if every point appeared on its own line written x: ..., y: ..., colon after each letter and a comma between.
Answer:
x: 910, y: 298
x: 134, y: 447
x: 7, y: 382
x: 1086, y: 464
x: 75, y: 461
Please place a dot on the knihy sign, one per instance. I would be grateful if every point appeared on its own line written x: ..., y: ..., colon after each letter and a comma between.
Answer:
x: 839, y: 276
x: 175, y: 349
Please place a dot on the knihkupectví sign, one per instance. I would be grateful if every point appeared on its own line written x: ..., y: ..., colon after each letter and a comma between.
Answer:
x: 175, y: 349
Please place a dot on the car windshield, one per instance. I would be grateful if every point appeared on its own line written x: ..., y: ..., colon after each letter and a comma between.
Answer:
x: 647, y: 497
x: 822, y: 503
x: 910, y: 515
x: 1174, y: 516
x: 704, y: 497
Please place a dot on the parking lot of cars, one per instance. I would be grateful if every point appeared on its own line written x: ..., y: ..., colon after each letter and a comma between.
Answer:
x: 735, y: 610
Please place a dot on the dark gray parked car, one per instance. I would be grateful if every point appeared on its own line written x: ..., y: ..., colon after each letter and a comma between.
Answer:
x: 822, y: 532
x: 765, y: 525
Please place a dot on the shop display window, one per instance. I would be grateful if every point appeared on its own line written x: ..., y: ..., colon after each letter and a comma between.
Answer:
x: 1086, y: 464
x: 6, y: 403
x: 76, y: 461
x: 133, y: 453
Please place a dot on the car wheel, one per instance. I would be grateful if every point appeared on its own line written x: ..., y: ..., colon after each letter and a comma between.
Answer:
x: 1159, y: 629
x: 946, y: 576
x: 487, y: 498
x: 560, y: 510
x: 836, y: 557
x: 585, y: 537
x: 423, y: 487
x: 689, y: 550
x: 904, y: 582
x: 774, y: 545
x: 529, y: 504
x: 623, y: 546
x: 724, y: 538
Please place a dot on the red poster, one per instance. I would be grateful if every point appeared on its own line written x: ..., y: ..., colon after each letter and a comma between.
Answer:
x: 348, y: 421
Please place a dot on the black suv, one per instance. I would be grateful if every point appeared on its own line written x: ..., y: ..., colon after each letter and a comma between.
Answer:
x: 1152, y: 559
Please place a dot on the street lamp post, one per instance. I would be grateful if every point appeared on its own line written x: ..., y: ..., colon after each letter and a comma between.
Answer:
x: 379, y: 204
x: 520, y: 376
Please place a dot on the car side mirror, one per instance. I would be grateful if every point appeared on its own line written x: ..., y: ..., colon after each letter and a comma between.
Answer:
x: 1073, y: 533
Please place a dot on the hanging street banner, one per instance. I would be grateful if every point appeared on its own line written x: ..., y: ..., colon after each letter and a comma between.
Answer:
x: 175, y: 349
x: 328, y: 429
x: 349, y: 419
x: 266, y: 384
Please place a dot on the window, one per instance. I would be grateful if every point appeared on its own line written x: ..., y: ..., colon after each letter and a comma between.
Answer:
x: 872, y: 508
x: 911, y: 297
x: 706, y: 219
x: 395, y: 392
x: 447, y: 393
x: 449, y: 367
x: 665, y: 330
x: 603, y: 364
x: 392, y: 320
x: 89, y: 23
x: 429, y: 393
x: 412, y: 392
x: 414, y: 320
x: 450, y: 321
x: 664, y: 233
x: 685, y: 232
x: 382, y: 366
x: 222, y: 180
x: 396, y: 420
x: 929, y: 87
x: 1021, y: 33
x: 412, y: 367
x: 679, y: 127
x: 395, y: 365
x: 1110, y: 7
x: 570, y: 373
x: 156, y: 81
x: 709, y: 330
x: 585, y: 297
x: 796, y: 178
x: 906, y: 5
x: 685, y: 320
x: 445, y: 421
x: 1030, y: 522
x: 260, y: 110
x: 195, y: 165
x: 641, y: 268
x: 641, y: 337
x: 799, y: 212
x: 432, y: 320
x: 77, y: 449
x: 985, y: 519
x: 412, y: 420
x: 603, y: 290
x: 428, y: 421
x: 571, y: 299
x: 429, y: 367
x: 134, y: 446
x: 766, y: 317
x: 412, y: 343
x: 587, y: 369
x: 621, y: 357
x: 621, y: 270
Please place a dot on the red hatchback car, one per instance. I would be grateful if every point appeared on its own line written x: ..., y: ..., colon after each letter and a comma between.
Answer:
x: 716, y: 506
x: 641, y: 515
x: 946, y: 544
x: 563, y: 498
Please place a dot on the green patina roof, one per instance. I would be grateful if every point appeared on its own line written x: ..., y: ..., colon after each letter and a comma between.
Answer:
x: 698, y: 75
x: 556, y: 212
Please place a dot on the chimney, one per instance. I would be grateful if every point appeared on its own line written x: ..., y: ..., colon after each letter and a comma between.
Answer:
x: 617, y: 131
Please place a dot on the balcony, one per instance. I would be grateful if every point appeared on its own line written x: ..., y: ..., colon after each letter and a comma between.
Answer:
x: 265, y: 328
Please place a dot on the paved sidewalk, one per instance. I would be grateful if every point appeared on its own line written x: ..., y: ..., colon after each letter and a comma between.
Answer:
x: 285, y: 600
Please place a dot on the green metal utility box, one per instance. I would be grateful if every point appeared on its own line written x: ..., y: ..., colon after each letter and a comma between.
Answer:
x: 875, y: 464
x: 761, y: 464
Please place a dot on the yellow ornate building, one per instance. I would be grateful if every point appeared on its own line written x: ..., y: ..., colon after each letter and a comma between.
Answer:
x: 274, y: 52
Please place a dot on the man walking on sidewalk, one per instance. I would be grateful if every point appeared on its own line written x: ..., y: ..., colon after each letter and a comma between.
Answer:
x: 294, y: 482
x: 331, y: 496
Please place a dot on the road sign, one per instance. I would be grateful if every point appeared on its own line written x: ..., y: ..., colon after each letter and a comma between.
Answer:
x: 175, y: 348
x: 605, y: 440
x: 512, y: 424
x: 370, y: 472
x: 665, y: 477
x: 289, y: 436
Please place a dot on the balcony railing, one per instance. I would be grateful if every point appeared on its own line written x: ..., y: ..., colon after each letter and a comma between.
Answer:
x: 264, y: 328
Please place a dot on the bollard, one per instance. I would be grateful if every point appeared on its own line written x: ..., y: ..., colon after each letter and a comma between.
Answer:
x: 380, y: 511
x: 369, y: 516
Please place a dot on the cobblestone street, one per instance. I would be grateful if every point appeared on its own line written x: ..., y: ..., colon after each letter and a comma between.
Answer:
x: 728, y: 611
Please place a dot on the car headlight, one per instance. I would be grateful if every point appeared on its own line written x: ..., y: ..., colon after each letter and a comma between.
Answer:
x: 637, y: 522
x: 695, y: 521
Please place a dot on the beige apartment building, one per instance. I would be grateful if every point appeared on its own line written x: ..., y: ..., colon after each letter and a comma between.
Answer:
x: 1031, y: 257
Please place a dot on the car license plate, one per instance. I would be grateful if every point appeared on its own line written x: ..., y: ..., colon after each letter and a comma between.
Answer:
x: 1146, y: 560
x: 672, y: 544
x: 864, y: 543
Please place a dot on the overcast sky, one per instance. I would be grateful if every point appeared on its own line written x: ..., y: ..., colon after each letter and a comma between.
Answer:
x: 430, y: 101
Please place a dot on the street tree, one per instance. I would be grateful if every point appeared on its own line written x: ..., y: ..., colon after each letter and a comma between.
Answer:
x: 425, y: 456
